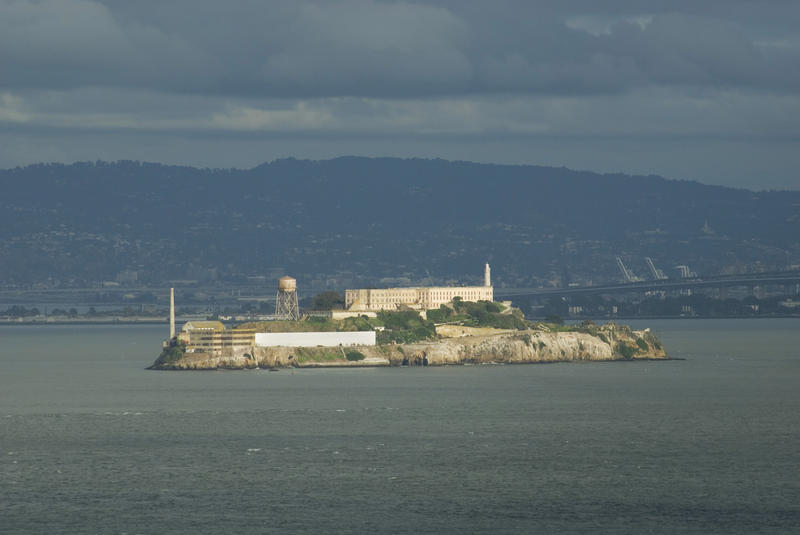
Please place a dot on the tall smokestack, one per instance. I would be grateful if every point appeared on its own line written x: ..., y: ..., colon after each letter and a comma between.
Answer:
x: 487, y: 275
x: 171, y: 313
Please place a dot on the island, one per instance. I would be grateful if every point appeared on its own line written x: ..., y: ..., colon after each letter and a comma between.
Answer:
x: 459, y: 332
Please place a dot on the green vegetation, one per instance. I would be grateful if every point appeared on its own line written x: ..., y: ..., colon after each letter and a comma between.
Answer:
x: 554, y: 319
x: 328, y: 301
x: 308, y: 324
x: 478, y: 314
x: 360, y: 323
x: 18, y: 311
x: 313, y: 324
x: 354, y: 355
x: 642, y: 344
x: 443, y: 314
x: 304, y: 354
x: 404, y: 327
x: 627, y: 351
x: 172, y: 352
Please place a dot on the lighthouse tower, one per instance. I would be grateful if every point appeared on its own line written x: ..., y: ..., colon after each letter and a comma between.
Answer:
x: 487, y: 275
x: 171, y: 313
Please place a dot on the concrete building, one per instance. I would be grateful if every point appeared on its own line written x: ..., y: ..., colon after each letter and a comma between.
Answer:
x: 212, y: 335
x: 417, y: 298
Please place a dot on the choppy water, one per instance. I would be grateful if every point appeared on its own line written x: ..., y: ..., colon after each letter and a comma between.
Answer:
x: 90, y: 442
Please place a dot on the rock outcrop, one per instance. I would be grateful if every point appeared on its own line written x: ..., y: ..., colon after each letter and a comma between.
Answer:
x: 595, y: 343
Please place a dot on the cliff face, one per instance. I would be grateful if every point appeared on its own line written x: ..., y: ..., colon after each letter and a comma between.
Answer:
x: 609, y: 342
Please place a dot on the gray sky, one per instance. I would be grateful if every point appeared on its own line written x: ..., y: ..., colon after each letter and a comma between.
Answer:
x: 705, y: 90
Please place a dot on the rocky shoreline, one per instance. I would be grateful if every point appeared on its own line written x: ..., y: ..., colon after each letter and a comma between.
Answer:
x: 600, y: 343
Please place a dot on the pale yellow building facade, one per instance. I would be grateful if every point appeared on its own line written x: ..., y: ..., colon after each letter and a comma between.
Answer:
x: 212, y: 335
x: 417, y: 298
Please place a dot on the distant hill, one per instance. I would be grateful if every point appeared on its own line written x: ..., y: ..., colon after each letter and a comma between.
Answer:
x: 362, y: 220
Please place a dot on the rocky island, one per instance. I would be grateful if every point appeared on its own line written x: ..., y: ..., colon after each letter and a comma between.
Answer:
x: 457, y: 333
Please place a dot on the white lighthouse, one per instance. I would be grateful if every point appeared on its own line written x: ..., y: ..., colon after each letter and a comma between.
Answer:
x: 487, y: 275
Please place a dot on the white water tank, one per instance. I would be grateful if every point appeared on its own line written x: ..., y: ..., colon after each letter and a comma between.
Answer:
x: 287, y: 284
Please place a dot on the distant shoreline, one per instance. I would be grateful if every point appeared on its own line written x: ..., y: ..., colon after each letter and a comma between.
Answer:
x: 659, y: 317
x: 89, y: 321
x: 164, y: 321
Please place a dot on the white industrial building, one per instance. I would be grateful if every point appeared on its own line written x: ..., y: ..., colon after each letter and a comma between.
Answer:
x: 314, y: 339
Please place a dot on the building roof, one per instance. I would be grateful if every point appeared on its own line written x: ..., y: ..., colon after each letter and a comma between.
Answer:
x: 205, y: 325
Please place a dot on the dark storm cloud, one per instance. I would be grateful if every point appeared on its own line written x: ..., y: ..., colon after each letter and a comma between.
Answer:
x: 382, y: 49
x: 690, y: 89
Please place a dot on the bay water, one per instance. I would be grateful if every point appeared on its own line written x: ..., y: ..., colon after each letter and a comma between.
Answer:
x: 91, y: 442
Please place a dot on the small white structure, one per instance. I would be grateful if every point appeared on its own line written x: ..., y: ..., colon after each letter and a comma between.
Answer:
x: 314, y: 339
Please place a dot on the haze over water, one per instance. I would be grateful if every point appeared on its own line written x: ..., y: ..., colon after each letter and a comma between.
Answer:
x: 92, y: 442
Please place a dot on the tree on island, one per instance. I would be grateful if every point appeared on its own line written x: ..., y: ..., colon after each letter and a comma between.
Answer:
x: 327, y: 301
x: 555, y: 319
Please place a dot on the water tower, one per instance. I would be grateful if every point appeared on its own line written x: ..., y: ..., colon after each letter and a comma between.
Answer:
x: 286, y: 301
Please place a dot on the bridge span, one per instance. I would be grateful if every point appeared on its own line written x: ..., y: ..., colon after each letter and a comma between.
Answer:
x: 784, y: 278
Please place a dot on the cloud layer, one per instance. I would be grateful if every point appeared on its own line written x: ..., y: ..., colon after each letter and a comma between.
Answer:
x: 372, y: 49
x: 371, y: 69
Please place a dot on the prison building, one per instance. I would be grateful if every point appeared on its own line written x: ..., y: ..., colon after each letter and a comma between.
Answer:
x: 417, y: 298
x: 422, y: 298
x: 202, y: 336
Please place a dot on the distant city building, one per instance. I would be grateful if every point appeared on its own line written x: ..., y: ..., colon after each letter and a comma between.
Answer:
x: 127, y: 276
x: 417, y: 298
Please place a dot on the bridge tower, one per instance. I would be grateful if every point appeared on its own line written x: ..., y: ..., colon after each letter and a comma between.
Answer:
x: 627, y: 274
x: 655, y: 272
x: 686, y: 273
